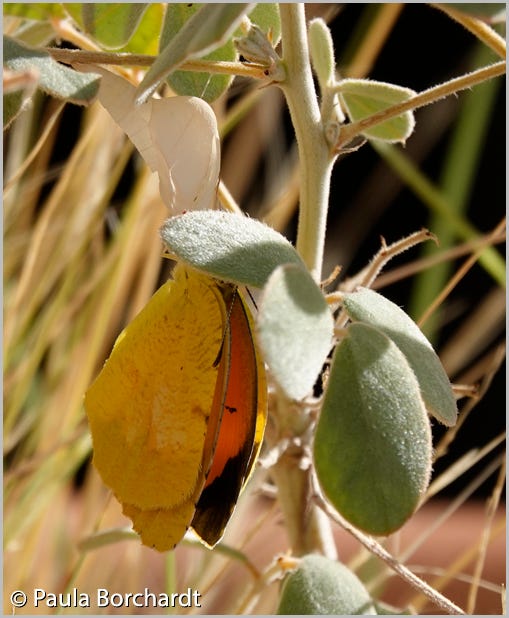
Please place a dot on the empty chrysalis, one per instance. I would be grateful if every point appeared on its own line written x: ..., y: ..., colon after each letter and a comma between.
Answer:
x: 176, y: 136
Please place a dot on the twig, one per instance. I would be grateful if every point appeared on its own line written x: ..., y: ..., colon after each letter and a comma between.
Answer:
x: 72, y: 56
x: 431, y: 95
x: 407, y: 270
x: 380, y: 552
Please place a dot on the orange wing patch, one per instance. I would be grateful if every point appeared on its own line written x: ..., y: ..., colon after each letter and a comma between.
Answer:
x: 244, y: 406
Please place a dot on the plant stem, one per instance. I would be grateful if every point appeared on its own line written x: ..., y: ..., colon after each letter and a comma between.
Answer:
x: 71, y: 56
x: 314, y: 153
x: 380, y: 552
x: 307, y: 530
x: 431, y: 95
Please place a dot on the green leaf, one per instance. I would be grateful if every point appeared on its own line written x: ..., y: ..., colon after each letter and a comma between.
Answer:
x: 35, y: 34
x: 372, y: 446
x: 295, y: 329
x: 228, y: 246
x: 266, y: 16
x: 40, y: 11
x: 321, y: 49
x: 145, y: 39
x: 203, y: 85
x: 110, y: 24
x: 323, y: 586
x: 54, y: 78
x: 373, y: 308
x: 206, y: 30
x: 362, y: 98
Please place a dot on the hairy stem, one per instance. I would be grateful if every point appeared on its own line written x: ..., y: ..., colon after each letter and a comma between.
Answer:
x: 307, y: 530
x: 314, y: 155
x: 431, y: 95
x: 256, y: 71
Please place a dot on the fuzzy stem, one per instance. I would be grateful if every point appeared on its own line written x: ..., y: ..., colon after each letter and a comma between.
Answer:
x: 307, y: 530
x: 314, y: 155
x: 221, y: 67
x: 431, y: 95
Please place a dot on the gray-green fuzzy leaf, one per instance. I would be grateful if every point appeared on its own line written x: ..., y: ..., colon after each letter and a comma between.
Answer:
x: 373, y: 308
x: 295, y: 328
x: 110, y: 24
x: 54, y: 78
x: 208, y: 87
x: 206, y: 30
x: 372, y: 445
x: 322, y: 586
x: 228, y: 246
x: 363, y: 98
x: 321, y: 49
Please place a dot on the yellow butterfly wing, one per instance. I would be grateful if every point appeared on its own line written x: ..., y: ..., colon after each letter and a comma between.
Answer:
x: 149, y: 407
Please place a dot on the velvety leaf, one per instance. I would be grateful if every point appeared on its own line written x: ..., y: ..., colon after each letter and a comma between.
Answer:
x: 321, y: 49
x: 54, y: 78
x: 207, y: 29
x: 40, y: 11
x: 373, y: 308
x: 192, y: 83
x: 228, y: 246
x: 363, y: 98
x: 372, y: 446
x: 110, y: 24
x: 295, y: 329
x: 322, y: 586
x: 205, y: 85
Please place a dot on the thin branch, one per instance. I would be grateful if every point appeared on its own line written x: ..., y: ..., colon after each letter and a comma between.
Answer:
x: 491, y: 512
x: 367, y: 275
x: 71, y: 56
x: 380, y: 552
x: 431, y: 95
x: 411, y: 268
